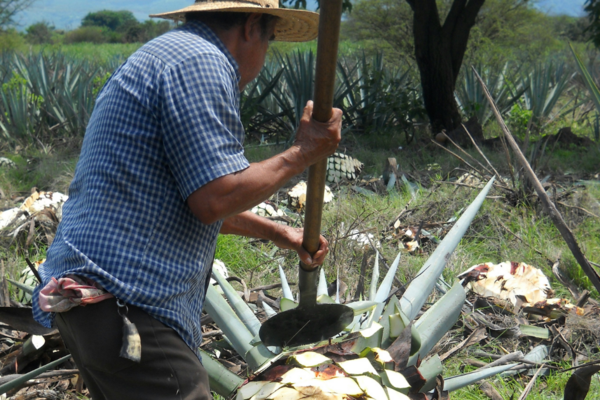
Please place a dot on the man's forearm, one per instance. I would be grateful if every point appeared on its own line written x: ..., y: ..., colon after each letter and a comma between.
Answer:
x: 250, y: 225
x: 233, y: 194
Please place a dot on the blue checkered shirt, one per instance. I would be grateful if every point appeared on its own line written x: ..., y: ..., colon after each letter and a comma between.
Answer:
x: 165, y: 124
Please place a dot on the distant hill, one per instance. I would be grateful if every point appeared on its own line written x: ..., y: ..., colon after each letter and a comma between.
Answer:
x: 67, y: 14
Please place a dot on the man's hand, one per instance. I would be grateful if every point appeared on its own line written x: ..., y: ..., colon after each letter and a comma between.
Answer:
x: 291, y: 238
x: 317, y: 140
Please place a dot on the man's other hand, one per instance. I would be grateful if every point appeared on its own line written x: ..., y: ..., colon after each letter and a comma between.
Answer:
x: 317, y: 140
x: 291, y: 238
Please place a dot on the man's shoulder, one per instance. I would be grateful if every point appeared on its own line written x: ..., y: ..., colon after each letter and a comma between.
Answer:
x: 182, y: 44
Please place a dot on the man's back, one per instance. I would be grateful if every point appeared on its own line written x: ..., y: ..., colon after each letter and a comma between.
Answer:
x: 165, y: 124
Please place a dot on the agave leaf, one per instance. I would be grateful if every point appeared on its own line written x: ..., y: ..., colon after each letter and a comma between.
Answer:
x: 287, y: 292
x: 385, y: 287
x: 361, y: 307
x: 419, y: 289
x: 249, y: 390
x: 23, y: 287
x: 371, y: 387
x: 438, y: 320
x: 222, y: 381
x: 285, y: 304
x: 535, y: 331
x: 359, y: 366
x: 322, y: 286
x: 395, y: 380
x: 374, y: 279
x: 429, y: 370
x: 244, y: 313
x: 236, y: 332
x: 324, y: 299
x: 390, y: 308
x: 537, y: 354
x: 587, y: 79
x: 268, y: 310
x: 21, y: 319
x: 460, y: 381
x: 17, y: 382
x: 308, y: 359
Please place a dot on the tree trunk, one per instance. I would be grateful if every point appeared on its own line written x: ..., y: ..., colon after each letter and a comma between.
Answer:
x: 439, y: 51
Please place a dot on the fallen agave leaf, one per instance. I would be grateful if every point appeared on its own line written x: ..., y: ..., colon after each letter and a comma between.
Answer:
x: 297, y: 196
x: 508, y: 280
x: 267, y: 210
x: 309, y: 359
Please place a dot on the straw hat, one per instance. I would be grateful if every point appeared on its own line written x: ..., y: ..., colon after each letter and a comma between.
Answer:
x: 292, y: 26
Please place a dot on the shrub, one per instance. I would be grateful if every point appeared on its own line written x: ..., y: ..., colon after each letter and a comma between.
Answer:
x: 11, y: 40
x: 88, y: 34
x: 40, y: 33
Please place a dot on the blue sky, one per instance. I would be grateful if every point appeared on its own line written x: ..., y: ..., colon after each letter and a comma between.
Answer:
x: 67, y: 14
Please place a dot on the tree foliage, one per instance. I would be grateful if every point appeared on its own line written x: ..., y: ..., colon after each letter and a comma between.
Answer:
x: 109, y: 26
x: 112, y: 20
x: 8, y: 10
x: 592, y: 8
x: 40, y: 33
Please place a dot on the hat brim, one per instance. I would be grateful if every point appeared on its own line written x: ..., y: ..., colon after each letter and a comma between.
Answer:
x: 292, y: 26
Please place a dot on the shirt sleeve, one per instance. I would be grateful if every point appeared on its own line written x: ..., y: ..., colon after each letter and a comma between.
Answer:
x: 202, y: 131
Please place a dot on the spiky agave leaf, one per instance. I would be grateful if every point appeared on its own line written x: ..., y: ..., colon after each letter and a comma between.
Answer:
x: 419, y: 289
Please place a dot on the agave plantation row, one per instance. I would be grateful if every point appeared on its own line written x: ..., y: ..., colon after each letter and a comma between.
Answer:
x: 45, y: 96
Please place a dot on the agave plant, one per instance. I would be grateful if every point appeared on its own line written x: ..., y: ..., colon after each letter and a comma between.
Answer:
x: 590, y: 83
x: 383, y: 354
x: 545, y: 85
x: 376, y: 97
x: 44, y: 92
x: 505, y: 91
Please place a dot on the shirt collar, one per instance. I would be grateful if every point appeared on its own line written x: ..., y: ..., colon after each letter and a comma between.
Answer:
x: 208, y: 34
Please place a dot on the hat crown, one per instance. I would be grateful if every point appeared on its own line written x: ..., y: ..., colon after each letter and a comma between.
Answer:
x: 260, y: 3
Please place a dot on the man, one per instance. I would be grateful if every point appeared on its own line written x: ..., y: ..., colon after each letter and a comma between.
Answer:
x: 161, y: 173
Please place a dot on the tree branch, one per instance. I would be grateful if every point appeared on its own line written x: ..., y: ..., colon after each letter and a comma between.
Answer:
x: 460, y: 32
x: 455, y: 12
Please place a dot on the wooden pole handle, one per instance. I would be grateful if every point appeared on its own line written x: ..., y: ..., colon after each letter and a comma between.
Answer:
x: 327, y: 49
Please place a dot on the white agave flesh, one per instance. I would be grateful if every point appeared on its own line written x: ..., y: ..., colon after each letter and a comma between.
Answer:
x: 296, y: 375
x: 309, y: 359
x: 286, y: 393
x: 336, y: 385
x: 266, y: 391
x: 373, y: 329
x: 394, y: 380
x: 250, y: 389
x: 316, y: 393
x: 324, y: 299
x: 371, y: 387
x: 394, y: 395
x: 359, y: 366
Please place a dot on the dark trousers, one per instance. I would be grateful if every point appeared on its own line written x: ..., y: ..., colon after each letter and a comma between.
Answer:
x: 169, y: 369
